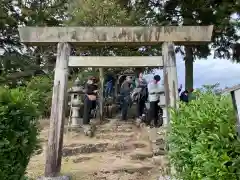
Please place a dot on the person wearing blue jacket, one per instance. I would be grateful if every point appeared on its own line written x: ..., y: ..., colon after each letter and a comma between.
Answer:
x: 109, y: 88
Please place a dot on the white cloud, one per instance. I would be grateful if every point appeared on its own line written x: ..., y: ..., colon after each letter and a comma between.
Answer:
x: 209, y: 71
x: 213, y: 71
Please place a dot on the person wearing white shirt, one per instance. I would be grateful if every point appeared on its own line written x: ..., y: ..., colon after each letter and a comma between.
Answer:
x: 154, y: 91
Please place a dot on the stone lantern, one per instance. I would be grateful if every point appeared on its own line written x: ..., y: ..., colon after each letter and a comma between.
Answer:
x: 75, y: 103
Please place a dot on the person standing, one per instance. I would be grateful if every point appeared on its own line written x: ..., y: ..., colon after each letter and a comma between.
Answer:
x: 142, y: 95
x: 90, y: 99
x: 109, y: 87
x: 154, y: 92
x: 125, y: 97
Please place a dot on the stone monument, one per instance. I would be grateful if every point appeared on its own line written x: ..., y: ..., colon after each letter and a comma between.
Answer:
x: 76, y: 92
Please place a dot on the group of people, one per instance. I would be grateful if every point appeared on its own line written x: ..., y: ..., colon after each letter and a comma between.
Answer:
x: 142, y: 93
x: 138, y: 90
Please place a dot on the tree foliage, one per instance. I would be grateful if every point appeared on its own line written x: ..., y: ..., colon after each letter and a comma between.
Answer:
x: 198, y: 12
x: 217, y: 13
x: 18, y: 61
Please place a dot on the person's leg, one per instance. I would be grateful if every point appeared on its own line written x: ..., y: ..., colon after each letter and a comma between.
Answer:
x: 160, y: 116
x: 120, y: 99
x: 93, y: 105
x: 151, y: 113
x: 124, y: 109
x: 110, y: 91
x: 92, y: 110
x: 107, y: 92
x: 142, y: 106
x: 86, y: 111
x: 156, y: 117
x: 139, y: 114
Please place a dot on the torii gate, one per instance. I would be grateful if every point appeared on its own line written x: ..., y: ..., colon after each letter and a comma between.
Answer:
x: 101, y: 36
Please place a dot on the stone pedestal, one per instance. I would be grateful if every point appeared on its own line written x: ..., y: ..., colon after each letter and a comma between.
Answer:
x: 75, y: 118
x: 55, y: 178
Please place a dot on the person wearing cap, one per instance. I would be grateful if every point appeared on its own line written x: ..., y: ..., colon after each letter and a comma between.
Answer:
x: 154, y: 91
x: 90, y: 99
x: 125, y: 98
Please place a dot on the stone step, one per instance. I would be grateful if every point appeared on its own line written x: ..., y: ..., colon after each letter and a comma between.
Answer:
x: 115, y: 135
x: 74, y: 149
x: 141, y: 154
x: 114, y: 129
x: 160, y: 160
x: 129, y: 168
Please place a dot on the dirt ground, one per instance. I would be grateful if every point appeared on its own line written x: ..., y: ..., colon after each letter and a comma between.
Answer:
x: 118, y: 151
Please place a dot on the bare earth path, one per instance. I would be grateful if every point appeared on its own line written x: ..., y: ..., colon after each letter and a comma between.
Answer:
x: 118, y: 151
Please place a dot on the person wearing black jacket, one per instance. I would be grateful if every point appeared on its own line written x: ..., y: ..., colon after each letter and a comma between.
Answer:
x: 142, y: 96
x: 125, y: 98
x: 183, y: 95
x: 90, y: 99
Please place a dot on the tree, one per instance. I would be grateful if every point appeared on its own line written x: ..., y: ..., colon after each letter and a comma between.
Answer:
x: 44, y: 13
x: 100, y: 13
x: 197, y: 12
x: 11, y: 59
x: 19, y: 61
x: 201, y: 12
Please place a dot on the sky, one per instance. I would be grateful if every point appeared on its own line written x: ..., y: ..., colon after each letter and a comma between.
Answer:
x: 208, y: 71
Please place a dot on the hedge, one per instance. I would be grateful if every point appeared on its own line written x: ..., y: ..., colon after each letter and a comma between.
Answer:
x: 203, y: 141
x: 18, y: 132
x: 41, y: 89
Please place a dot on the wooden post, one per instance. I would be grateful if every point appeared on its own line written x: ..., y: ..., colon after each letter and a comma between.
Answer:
x: 59, y: 97
x: 101, y: 99
x: 170, y: 77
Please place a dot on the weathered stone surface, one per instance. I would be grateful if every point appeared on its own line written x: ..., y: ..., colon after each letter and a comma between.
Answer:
x: 129, y: 168
x: 119, y: 135
x: 84, y: 148
x: 160, y: 160
x: 55, y: 178
x: 115, y: 61
x: 115, y: 35
x: 81, y: 159
x: 141, y: 155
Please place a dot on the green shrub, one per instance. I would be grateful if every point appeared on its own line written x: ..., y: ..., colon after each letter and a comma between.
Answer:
x: 203, y: 142
x: 41, y: 89
x: 18, y: 132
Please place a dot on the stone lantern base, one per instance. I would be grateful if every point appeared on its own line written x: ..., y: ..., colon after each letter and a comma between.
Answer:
x: 55, y: 178
x: 76, y: 122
